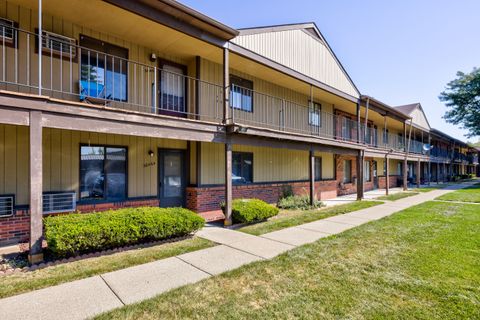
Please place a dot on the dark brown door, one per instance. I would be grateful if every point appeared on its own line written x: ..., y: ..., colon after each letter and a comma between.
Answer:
x: 171, y: 180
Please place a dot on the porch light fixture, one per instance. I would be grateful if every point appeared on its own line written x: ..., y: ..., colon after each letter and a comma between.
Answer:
x: 151, y: 153
x: 153, y: 57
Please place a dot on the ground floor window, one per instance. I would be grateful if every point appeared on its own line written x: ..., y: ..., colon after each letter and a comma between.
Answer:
x: 347, y: 171
x: 242, y: 169
x: 318, y: 168
x: 366, y: 171
x: 103, y: 173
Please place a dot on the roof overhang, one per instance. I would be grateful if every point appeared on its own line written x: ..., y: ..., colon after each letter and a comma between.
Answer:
x: 181, y: 18
x: 288, y: 71
x: 383, y: 108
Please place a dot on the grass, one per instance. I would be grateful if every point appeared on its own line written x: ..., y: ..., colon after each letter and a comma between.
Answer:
x: 469, y: 194
x: 421, y: 263
x: 430, y: 188
x: 397, y: 196
x: 290, y: 218
x: 22, y: 282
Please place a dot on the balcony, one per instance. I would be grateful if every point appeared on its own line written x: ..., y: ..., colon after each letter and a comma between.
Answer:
x: 95, y: 76
x: 102, y: 77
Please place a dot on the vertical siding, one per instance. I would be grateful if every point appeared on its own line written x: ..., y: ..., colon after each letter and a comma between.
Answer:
x: 269, y: 164
x: 61, y: 160
x: 301, y: 52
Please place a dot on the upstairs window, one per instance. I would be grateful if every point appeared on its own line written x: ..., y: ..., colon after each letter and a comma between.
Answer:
x: 241, y: 94
x: 242, y: 168
x: 314, y: 114
x: 8, y: 32
x: 104, y: 70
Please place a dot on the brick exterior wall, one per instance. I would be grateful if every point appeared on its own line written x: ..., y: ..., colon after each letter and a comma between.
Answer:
x: 393, y: 181
x: 16, y: 228
x: 208, y: 199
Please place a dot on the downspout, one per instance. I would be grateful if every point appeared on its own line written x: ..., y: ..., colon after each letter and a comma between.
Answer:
x: 406, y: 153
x: 40, y: 47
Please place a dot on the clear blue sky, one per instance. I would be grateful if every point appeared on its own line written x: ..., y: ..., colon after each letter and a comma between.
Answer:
x: 400, y: 52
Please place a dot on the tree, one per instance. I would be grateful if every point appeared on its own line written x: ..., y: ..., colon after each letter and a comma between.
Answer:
x: 462, y: 95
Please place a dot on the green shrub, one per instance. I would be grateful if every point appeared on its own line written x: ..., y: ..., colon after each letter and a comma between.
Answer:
x: 78, y: 233
x: 250, y: 210
x: 298, y: 203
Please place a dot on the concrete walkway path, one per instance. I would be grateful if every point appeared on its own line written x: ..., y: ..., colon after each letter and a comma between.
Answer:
x: 87, y: 297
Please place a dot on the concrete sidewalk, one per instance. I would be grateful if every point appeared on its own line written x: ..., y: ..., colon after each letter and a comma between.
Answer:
x: 87, y: 297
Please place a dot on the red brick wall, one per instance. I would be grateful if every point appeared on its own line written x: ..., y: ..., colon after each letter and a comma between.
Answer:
x: 16, y: 229
x: 205, y: 199
x: 392, y: 179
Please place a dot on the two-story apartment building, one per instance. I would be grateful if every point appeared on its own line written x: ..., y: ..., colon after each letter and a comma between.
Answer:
x: 117, y: 103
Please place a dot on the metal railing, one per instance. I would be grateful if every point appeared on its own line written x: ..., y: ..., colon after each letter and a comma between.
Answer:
x: 75, y: 73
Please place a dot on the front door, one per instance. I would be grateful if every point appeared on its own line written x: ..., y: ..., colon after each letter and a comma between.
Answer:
x: 375, y: 175
x: 172, y: 100
x: 171, y: 179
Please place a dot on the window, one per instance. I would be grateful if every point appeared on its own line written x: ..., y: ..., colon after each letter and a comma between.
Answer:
x: 104, y: 70
x: 366, y: 171
x: 385, y: 136
x: 400, y: 168
x: 314, y: 114
x: 8, y: 32
x: 346, y: 128
x: 347, y: 171
x: 318, y: 168
x: 172, y: 86
x: 103, y: 172
x: 242, y: 168
x: 241, y: 94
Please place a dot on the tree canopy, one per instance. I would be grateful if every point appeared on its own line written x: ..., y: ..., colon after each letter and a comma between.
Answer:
x: 462, y: 97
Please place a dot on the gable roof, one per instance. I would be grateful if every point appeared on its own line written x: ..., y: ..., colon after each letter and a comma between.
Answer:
x: 301, y: 47
x: 415, y: 111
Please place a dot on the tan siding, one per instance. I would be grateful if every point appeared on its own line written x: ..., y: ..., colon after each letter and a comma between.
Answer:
x: 301, y: 52
x: 269, y: 164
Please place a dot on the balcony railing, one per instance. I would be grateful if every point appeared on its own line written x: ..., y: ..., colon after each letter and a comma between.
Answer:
x: 76, y: 73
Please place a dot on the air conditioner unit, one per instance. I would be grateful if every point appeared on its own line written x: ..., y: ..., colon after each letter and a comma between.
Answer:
x: 58, y: 45
x: 7, y: 30
x: 54, y: 202
x: 7, y: 203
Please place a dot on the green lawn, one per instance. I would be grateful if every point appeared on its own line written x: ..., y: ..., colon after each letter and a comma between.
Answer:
x: 470, y: 194
x: 290, y: 218
x: 397, y: 196
x: 22, y: 282
x: 421, y: 263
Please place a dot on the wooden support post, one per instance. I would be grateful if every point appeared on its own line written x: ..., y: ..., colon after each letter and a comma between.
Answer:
x: 445, y: 174
x: 227, y: 118
x: 312, y: 176
x: 36, y: 179
x: 228, y: 183
x: 387, y: 175
x: 405, y: 175
x: 438, y: 172
x: 418, y: 173
x: 360, y: 160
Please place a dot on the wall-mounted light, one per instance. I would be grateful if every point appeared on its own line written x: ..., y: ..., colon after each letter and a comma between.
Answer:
x: 153, y: 57
x: 151, y: 153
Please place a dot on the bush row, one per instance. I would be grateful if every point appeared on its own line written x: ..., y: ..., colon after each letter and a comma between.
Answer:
x: 251, y: 210
x: 79, y: 233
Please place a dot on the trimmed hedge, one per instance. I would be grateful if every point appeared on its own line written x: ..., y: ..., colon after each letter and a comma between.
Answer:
x: 79, y: 233
x: 250, y: 210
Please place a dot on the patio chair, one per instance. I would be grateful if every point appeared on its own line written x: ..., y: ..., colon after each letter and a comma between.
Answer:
x: 93, y: 92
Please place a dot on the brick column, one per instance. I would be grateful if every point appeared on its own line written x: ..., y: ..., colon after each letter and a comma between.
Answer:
x: 36, y: 178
